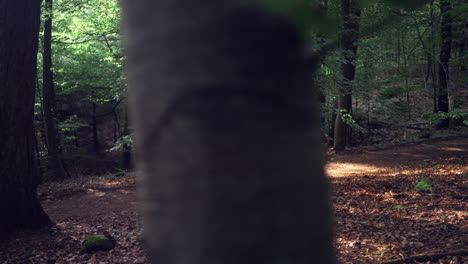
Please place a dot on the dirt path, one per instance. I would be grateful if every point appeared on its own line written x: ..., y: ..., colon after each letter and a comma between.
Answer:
x: 400, y: 159
x: 378, y: 214
x: 91, y: 203
x: 103, y: 198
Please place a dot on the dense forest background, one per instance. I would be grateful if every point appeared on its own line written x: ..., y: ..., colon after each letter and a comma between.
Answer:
x: 390, y: 72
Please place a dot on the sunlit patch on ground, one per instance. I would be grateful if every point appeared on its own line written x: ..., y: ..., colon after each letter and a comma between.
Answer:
x: 414, y: 155
x: 453, y: 149
x: 338, y: 169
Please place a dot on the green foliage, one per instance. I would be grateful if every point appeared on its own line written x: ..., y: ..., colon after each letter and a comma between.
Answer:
x: 423, y: 185
x: 458, y: 118
x: 86, y: 44
x: 124, y: 141
x: 71, y: 124
x: 459, y: 102
x: 405, y: 4
x: 306, y: 15
x: 98, y: 242
x: 348, y: 119
x: 391, y: 92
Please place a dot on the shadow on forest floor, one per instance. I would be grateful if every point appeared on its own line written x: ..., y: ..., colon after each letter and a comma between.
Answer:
x: 380, y: 216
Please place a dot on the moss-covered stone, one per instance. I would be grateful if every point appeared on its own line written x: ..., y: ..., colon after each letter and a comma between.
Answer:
x: 98, y: 242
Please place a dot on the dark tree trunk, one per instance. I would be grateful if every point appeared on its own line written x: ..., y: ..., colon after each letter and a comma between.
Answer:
x: 54, y: 159
x: 19, y: 33
x: 333, y: 121
x: 94, y: 123
x: 227, y: 134
x: 445, y: 49
x: 350, y: 13
x: 433, y: 55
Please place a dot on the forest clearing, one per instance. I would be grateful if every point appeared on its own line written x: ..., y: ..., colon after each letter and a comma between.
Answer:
x: 378, y: 214
x: 234, y: 131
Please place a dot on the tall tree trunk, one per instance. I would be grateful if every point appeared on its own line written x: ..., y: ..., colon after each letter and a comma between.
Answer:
x: 350, y: 13
x: 445, y: 49
x: 54, y: 159
x: 333, y: 122
x: 231, y: 159
x: 19, y: 34
x: 433, y: 55
x: 94, y: 124
x: 406, y: 73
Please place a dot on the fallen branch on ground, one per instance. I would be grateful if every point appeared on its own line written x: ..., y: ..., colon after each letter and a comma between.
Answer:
x: 427, y: 257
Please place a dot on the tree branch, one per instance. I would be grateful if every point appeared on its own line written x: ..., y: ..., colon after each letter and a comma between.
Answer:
x: 427, y: 257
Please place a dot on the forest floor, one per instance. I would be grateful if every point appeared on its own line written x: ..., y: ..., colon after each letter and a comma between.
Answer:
x: 379, y: 216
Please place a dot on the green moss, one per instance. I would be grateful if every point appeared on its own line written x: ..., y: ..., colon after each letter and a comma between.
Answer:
x: 97, y: 243
x: 423, y: 184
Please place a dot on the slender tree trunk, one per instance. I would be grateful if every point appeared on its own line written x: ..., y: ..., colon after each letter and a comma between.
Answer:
x: 333, y: 121
x: 19, y: 34
x: 445, y: 49
x: 54, y: 158
x: 350, y: 13
x: 407, y: 88
x: 37, y: 155
x: 433, y: 55
x: 429, y: 53
x: 94, y: 123
x: 398, y: 58
x: 231, y: 159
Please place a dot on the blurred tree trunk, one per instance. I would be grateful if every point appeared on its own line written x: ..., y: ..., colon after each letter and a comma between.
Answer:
x: 54, y: 159
x: 349, y: 35
x: 19, y: 34
x: 445, y: 49
x: 228, y: 135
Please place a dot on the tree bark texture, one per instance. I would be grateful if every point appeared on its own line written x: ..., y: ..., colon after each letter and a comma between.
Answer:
x: 19, y: 33
x: 227, y: 135
x: 54, y: 159
x: 445, y: 49
x: 350, y: 14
